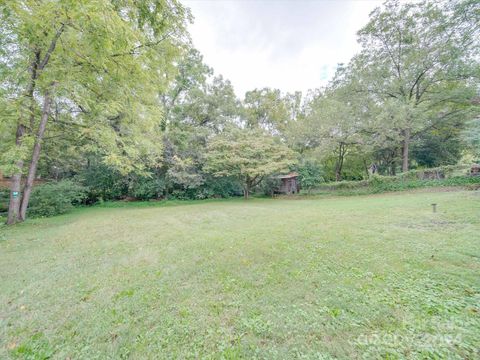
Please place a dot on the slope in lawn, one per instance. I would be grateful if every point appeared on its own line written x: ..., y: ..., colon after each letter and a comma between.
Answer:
x: 315, y: 278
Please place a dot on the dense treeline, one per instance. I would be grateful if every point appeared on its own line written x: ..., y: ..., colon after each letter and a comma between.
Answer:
x: 111, y: 96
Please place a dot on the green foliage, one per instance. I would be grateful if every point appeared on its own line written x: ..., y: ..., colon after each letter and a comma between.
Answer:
x: 419, y: 65
x: 55, y: 198
x: 310, y: 173
x: 184, y: 173
x: 266, y: 109
x: 146, y: 188
x: 211, y: 106
x: 442, y: 176
x: 139, y: 115
x: 224, y: 187
x: 382, y: 186
x: 472, y: 137
x: 103, y: 182
x: 356, y: 167
x: 269, y: 185
x: 440, y: 172
x: 102, y: 65
x: 4, y: 198
x: 353, y: 167
x: 249, y: 155
x: 440, y: 146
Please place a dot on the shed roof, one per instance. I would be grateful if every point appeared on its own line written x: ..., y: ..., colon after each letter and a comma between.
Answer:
x: 288, y: 176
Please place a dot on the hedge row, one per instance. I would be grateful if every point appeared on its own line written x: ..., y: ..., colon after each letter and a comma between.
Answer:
x: 406, y: 181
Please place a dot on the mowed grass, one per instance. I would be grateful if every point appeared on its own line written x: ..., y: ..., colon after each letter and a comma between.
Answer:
x: 341, y: 277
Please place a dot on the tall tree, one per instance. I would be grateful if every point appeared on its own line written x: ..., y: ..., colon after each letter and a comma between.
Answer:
x: 337, y: 126
x: 213, y: 106
x: 419, y: 61
x: 267, y: 109
x: 103, y: 60
x: 192, y: 76
x: 203, y: 110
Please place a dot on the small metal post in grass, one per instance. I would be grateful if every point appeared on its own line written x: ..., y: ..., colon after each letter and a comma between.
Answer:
x: 434, y: 207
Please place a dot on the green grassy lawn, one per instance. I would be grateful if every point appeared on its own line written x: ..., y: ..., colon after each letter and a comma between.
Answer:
x: 378, y: 276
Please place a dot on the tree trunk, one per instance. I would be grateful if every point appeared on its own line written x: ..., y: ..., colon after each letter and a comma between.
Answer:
x: 16, y: 183
x: 406, y: 143
x: 247, y: 187
x: 37, y: 66
x: 393, y: 169
x: 339, y: 166
x: 31, y: 89
x: 32, y: 170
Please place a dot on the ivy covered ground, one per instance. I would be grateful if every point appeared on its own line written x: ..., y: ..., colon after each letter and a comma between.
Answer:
x: 378, y: 276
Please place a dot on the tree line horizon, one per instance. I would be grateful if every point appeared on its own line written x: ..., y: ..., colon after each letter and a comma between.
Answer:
x: 112, y: 94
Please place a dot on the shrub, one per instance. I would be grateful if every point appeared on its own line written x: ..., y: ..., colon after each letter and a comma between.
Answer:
x: 224, y: 187
x: 440, y: 172
x: 103, y: 183
x: 311, y: 174
x: 146, y: 188
x: 4, y: 199
x: 213, y: 187
x: 56, y: 198
x: 450, y: 176
x: 270, y: 185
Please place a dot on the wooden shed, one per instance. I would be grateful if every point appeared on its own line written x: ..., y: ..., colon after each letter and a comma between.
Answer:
x: 475, y: 170
x: 289, y: 184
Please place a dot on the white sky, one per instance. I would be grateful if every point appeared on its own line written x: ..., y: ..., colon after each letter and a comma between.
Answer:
x: 285, y: 44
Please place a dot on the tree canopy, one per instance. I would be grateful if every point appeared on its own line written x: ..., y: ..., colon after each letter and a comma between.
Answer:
x: 249, y: 155
x: 113, y: 95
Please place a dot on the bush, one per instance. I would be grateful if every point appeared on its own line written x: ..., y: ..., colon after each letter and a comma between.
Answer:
x: 311, y: 174
x: 103, y: 182
x: 270, y: 185
x: 213, y: 187
x: 4, y: 199
x: 442, y: 176
x: 440, y: 172
x: 224, y: 187
x: 146, y: 188
x: 56, y: 198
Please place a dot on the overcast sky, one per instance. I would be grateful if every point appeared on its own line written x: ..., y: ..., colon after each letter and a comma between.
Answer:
x: 286, y: 44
